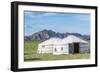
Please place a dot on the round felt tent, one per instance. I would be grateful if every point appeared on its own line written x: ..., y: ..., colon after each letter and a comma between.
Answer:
x: 48, y: 45
x: 72, y: 44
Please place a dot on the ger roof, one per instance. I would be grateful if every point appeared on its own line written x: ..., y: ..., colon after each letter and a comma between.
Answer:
x: 51, y: 41
x: 73, y: 39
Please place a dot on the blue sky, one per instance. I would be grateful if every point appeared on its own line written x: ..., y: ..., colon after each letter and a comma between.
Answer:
x: 58, y: 22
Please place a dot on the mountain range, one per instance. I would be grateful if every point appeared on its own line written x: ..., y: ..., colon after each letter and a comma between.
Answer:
x: 46, y: 34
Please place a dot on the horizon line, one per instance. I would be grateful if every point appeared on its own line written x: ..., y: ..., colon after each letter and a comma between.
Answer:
x: 55, y: 32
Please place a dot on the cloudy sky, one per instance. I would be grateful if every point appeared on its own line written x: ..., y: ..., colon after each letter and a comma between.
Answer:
x: 58, y: 22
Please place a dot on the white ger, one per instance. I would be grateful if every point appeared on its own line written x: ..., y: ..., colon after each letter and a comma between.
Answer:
x: 56, y: 46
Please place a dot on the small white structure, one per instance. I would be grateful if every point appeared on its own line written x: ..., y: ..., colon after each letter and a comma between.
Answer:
x: 48, y: 45
x: 70, y: 44
x: 74, y: 44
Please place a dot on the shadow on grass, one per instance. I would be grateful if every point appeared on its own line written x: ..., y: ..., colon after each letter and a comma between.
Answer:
x: 32, y: 59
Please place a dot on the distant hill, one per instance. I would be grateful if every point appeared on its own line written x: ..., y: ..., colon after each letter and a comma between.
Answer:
x: 46, y: 34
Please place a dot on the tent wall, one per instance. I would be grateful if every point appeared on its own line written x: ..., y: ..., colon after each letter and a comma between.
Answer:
x: 65, y: 49
x: 46, y: 49
x: 57, y: 49
x: 84, y: 48
x: 60, y: 49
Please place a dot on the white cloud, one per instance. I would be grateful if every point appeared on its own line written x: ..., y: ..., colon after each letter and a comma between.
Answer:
x: 49, y: 14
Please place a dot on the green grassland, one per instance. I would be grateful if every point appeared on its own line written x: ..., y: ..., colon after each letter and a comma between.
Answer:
x: 30, y: 53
